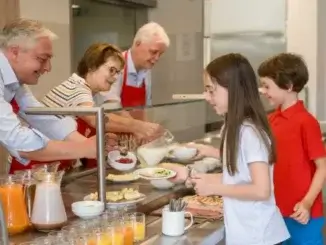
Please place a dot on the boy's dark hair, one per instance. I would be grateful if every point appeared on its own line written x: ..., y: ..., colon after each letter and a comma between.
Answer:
x: 286, y: 70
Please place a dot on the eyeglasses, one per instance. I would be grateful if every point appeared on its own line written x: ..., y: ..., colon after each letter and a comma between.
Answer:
x: 114, y: 71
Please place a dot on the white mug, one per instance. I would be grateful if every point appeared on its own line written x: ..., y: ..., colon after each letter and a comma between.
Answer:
x: 173, y: 223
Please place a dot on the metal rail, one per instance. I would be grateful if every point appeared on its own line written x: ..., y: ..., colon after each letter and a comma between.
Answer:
x: 100, y: 136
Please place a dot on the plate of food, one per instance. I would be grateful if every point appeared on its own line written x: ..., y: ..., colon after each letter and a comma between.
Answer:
x: 122, y: 178
x: 124, y: 197
x: 155, y: 173
x: 205, y: 206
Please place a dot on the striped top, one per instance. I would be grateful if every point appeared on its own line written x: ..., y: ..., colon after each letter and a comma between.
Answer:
x: 70, y: 93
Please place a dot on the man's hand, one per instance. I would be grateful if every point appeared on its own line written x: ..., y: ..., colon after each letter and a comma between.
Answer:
x: 147, y: 131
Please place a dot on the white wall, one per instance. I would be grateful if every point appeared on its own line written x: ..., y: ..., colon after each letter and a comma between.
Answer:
x: 229, y: 16
x: 55, y: 14
x: 302, y: 39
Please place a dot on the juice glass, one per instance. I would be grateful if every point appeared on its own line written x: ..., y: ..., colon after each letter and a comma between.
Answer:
x: 128, y: 231
x: 114, y: 234
x: 100, y: 238
x: 139, y: 226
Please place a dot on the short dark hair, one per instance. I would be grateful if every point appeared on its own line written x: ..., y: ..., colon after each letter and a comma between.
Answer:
x: 96, y: 55
x: 286, y: 70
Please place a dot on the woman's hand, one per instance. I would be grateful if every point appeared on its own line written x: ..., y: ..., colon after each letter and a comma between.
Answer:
x: 205, y: 151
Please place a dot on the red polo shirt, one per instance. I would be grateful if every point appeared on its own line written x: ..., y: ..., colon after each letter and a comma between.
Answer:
x: 298, y: 143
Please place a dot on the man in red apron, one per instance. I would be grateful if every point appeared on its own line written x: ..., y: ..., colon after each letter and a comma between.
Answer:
x: 25, y: 54
x: 133, y: 89
x: 16, y: 165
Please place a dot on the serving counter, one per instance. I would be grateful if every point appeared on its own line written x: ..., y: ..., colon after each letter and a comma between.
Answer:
x: 188, y: 122
x: 74, y: 189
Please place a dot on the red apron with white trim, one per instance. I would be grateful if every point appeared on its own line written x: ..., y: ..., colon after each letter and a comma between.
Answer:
x: 132, y: 96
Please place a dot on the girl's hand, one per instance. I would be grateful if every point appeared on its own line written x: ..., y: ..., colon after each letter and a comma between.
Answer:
x: 207, y: 184
x: 181, y: 170
x: 205, y: 151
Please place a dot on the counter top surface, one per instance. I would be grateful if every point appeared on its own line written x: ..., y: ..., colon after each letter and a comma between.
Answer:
x: 78, y: 184
x: 75, y: 190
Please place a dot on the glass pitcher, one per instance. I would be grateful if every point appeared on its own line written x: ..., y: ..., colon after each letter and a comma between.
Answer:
x: 152, y: 153
x: 13, y: 201
x: 48, y: 209
x: 29, y: 184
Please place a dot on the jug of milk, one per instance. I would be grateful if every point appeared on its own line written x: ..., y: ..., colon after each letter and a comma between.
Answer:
x: 48, y: 209
x: 152, y: 153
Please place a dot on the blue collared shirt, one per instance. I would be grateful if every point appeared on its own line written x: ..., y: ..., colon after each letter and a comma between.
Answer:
x: 134, y: 79
x: 13, y: 135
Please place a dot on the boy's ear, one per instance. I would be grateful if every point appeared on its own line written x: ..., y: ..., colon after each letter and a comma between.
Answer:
x: 290, y: 87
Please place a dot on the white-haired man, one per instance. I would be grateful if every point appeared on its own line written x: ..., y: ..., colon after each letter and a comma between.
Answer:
x: 133, y: 88
x: 25, y: 54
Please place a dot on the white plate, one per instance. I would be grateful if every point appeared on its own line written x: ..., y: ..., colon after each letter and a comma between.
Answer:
x: 126, y: 203
x: 149, y: 173
x: 135, y: 177
x: 120, y: 203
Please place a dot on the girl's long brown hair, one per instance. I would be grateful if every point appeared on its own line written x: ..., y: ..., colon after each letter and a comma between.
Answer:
x: 234, y: 72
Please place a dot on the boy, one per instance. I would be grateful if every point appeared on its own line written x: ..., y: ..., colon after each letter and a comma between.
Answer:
x: 300, y: 168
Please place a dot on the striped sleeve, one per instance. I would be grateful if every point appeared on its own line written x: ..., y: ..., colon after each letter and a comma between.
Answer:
x: 68, y: 95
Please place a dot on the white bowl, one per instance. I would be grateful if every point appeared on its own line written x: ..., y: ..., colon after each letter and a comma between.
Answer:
x: 184, y: 153
x: 87, y: 209
x: 87, y: 215
x: 88, y: 206
x: 162, y: 184
x: 113, y: 156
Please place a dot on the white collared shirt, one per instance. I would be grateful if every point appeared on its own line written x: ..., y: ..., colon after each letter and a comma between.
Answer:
x: 13, y: 135
x: 251, y: 222
x: 134, y: 79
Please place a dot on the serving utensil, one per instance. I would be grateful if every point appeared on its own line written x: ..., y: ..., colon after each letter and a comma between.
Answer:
x: 177, y: 205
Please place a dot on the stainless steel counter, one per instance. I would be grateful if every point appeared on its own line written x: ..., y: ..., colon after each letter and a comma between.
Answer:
x: 75, y: 190
x: 201, y: 233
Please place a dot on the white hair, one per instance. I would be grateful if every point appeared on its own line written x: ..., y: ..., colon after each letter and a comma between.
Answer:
x: 151, y: 30
x: 23, y: 32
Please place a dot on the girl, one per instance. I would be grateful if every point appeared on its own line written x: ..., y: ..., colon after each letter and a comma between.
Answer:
x: 250, y: 214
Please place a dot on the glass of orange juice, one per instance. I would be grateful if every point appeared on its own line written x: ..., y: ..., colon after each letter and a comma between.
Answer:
x: 114, y: 234
x: 100, y: 238
x: 139, y: 226
x: 128, y: 230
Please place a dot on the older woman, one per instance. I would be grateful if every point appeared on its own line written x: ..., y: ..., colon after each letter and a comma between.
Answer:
x: 96, y: 72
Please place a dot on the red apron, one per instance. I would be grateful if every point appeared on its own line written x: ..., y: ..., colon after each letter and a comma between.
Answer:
x: 65, y: 164
x: 132, y: 96
x: 84, y: 129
